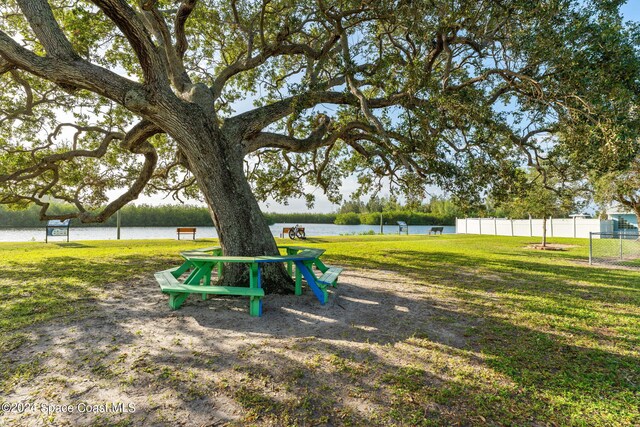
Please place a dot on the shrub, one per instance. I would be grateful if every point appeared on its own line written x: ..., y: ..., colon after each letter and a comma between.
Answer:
x: 350, y: 218
x: 300, y: 218
x: 411, y: 218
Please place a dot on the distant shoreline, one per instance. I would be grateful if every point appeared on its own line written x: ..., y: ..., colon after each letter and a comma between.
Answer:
x: 37, y: 234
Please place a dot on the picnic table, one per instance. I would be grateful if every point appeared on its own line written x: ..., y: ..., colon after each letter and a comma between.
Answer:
x: 200, y: 263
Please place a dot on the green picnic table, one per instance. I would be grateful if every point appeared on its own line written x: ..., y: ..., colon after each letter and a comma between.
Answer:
x: 200, y: 264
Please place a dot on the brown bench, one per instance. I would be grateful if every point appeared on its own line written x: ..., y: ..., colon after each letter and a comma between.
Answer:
x: 186, y: 230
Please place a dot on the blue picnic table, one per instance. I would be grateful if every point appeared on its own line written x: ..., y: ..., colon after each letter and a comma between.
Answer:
x: 200, y: 263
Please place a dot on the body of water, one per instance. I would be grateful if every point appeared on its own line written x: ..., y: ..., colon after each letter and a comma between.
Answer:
x: 130, y: 233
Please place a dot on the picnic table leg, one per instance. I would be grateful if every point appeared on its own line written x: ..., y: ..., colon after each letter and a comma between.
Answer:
x: 218, y: 252
x: 193, y: 276
x: 207, y: 279
x: 298, y: 281
x: 201, y: 272
x: 259, y: 286
x: 290, y: 264
x: 304, y: 268
x: 198, y: 273
x: 176, y: 300
x: 320, y: 265
x: 309, y: 265
x: 182, y: 269
x: 255, y: 279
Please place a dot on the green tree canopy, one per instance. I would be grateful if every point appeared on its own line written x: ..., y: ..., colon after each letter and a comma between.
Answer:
x: 447, y: 93
x: 620, y: 187
x: 239, y: 100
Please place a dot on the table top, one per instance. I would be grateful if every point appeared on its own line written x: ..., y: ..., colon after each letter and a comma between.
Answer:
x: 198, y: 255
x: 215, y: 248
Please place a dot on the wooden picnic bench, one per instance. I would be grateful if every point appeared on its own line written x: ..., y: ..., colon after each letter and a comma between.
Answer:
x: 200, y: 263
x: 436, y: 230
x: 186, y: 230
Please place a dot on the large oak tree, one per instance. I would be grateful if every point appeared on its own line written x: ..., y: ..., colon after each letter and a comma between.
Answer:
x: 239, y: 100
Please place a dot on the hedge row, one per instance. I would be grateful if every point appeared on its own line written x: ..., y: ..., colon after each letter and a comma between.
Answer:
x: 184, y: 215
x: 300, y: 218
x: 154, y: 216
x: 392, y: 217
x: 131, y: 216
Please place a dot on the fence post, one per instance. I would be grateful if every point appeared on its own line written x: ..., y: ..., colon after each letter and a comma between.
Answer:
x: 480, y: 225
x: 495, y: 225
x: 118, y: 225
x: 551, y: 225
x: 512, y: 228
x: 530, y: 226
x: 466, y: 225
x: 590, y: 247
x: 620, y: 234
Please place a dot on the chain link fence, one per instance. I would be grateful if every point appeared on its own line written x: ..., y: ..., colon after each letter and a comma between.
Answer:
x: 616, y: 248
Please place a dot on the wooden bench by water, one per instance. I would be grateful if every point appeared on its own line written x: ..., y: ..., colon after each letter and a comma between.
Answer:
x: 186, y: 230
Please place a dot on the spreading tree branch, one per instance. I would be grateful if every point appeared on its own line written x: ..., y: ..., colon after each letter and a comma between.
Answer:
x: 126, y: 19
x: 47, y: 30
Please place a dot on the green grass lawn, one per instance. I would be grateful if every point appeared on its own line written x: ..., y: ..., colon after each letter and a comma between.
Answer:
x: 549, y: 340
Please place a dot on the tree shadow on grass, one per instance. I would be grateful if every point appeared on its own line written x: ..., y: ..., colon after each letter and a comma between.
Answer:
x: 96, y: 271
x: 73, y: 245
x: 571, y: 293
x: 449, y: 268
x: 380, y: 353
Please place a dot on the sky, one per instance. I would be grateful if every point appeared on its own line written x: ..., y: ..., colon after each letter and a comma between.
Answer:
x: 630, y: 12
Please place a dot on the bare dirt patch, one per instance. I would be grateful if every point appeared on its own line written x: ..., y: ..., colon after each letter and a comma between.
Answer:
x: 210, y: 363
x: 550, y: 247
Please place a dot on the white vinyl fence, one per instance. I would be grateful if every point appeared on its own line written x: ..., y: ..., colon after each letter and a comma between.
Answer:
x: 556, y: 227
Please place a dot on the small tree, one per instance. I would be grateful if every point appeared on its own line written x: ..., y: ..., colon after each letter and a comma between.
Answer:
x: 353, y: 205
x: 622, y: 187
x: 540, y: 195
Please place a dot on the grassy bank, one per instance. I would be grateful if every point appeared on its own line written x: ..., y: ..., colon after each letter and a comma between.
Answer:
x: 483, y: 331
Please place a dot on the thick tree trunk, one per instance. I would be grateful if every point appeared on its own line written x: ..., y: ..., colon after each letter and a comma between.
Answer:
x: 242, y: 229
